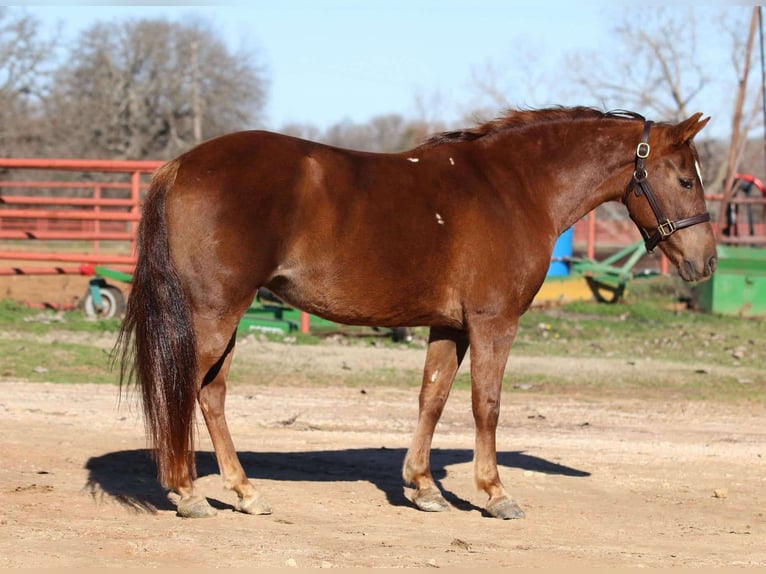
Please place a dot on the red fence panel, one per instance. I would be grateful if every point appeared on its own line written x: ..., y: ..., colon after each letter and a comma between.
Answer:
x: 68, y: 211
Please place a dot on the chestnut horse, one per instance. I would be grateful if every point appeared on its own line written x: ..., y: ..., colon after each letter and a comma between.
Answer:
x: 455, y: 234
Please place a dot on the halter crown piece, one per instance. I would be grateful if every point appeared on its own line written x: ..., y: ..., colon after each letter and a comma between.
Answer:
x: 640, y: 186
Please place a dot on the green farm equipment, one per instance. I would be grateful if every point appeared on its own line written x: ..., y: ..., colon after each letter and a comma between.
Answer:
x: 738, y: 287
x: 103, y: 300
x: 608, y: 279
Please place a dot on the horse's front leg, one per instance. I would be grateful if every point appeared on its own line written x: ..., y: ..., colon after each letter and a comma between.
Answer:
x: 491, y: 340
x: 446, y: 349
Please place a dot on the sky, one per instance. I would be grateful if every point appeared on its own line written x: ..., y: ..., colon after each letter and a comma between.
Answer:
x: 334, y: 60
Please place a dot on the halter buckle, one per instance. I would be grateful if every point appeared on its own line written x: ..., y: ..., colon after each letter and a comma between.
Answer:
x: 642, y: 150
x: 667, y: 228
x: 640, y: 176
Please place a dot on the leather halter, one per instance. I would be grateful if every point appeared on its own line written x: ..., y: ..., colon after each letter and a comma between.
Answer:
x: 640, y: 186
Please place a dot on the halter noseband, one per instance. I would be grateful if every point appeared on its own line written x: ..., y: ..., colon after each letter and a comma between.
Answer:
x: 640, y: 185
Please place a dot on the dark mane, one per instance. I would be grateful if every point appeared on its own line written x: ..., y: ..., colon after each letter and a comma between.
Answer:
x: 523, y: 118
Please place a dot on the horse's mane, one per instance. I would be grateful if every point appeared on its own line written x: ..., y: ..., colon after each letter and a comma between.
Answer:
x: 513, y: 119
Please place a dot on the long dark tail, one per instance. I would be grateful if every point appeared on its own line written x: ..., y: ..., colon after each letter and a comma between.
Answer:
x: 157, y: 343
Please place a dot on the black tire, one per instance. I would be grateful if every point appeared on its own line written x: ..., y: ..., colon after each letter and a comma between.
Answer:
x: 603, y: 292
x: 113, y: 304
x: 401, y: 335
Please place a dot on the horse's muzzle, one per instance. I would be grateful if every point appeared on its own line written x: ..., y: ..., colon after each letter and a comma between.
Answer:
x: 689, y: 271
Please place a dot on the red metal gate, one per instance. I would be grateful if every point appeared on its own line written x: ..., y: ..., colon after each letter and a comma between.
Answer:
x: 69, y: 214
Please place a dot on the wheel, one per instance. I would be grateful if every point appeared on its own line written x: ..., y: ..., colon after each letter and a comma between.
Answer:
x: 603, y: 292
x: 113, y: 303
x: 401, y: 335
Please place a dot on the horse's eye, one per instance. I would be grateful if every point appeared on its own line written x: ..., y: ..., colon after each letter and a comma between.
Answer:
x: 686, y: 183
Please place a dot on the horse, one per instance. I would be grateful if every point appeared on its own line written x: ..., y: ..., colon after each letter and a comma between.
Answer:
x: 455, y: 235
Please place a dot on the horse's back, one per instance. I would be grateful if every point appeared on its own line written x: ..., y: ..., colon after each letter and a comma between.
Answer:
x: 353, y: 236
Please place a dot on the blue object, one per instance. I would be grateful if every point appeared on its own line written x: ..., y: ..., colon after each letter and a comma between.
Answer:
x: 563, y: 248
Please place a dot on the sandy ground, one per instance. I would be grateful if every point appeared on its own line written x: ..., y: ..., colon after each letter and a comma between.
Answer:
x: 604, y: 482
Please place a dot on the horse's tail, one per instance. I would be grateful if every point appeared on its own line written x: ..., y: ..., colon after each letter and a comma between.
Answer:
x: 157, y: 343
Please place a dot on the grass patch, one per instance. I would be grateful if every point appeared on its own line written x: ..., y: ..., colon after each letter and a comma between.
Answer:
x: 650, y: 324
x: 704, y: 356
x: 35, y: 346
x: 22, y: 319
x: 668, y: 386
x: 54, y: 362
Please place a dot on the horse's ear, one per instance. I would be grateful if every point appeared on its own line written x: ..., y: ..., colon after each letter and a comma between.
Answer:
x: 687, y: 129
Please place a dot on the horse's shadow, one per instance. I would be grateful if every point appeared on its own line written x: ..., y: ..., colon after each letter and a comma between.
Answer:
x: 129, y: 476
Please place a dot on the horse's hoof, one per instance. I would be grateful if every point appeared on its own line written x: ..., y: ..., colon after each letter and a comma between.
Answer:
x: 253, y: 505
x: 195, y: 507
x: 430, y: 500
x: 505, y: 508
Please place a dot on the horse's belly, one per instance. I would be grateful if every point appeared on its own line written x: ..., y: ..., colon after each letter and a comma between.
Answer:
x: 348, y: 296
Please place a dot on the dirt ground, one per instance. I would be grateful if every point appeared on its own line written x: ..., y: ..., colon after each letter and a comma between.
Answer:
x: 54, y: 291
x: 604, y: 482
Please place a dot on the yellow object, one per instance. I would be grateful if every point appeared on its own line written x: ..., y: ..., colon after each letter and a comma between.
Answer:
x: 563, y: 290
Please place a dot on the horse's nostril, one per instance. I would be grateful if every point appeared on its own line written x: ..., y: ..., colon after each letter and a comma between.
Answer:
x: 712, y: 264
x: 690, y: 273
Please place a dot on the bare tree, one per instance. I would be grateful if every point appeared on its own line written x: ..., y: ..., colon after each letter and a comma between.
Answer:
x: 518, y: 82
x: 653, y: 66
x: 384, y: 133
x: 150, y: 89
x: 304, y: 131
x: 24, y: 65
x: 656, y: 66
x: 740, y: 124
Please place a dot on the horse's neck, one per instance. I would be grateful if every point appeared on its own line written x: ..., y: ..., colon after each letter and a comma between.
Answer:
x: 595, y: 167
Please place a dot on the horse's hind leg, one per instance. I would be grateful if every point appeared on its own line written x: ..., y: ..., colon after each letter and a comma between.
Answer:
x: 446, y: 349
x: 215, y: 345
x: 212, y: 397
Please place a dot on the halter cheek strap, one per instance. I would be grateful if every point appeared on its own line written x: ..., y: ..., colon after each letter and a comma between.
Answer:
x: 640, y: 186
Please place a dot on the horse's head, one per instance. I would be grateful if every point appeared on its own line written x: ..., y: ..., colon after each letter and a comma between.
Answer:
x: 666, y: 199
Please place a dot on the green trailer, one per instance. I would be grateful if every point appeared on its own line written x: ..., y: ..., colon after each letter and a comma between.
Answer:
x: 738, y: 287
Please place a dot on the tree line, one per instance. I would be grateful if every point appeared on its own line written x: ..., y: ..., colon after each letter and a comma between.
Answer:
x: 143, y: 89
